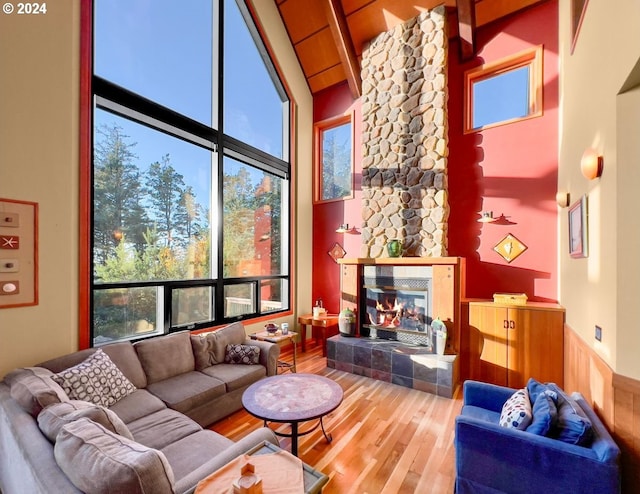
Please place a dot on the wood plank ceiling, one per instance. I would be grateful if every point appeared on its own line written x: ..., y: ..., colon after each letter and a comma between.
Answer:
x: 329, y: 35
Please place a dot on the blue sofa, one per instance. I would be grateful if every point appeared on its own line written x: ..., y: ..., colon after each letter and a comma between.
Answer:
x: 495, y: 459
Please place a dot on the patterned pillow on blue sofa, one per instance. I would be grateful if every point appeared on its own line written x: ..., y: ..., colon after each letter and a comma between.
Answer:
x: 516, y: 411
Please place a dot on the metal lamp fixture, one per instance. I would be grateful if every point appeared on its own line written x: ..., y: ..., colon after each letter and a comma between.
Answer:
x: 486, y: 217
x: 344, y: 228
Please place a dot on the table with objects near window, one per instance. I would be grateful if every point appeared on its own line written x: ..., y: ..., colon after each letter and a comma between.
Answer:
x: 280, y: 339
x: 322, y: 327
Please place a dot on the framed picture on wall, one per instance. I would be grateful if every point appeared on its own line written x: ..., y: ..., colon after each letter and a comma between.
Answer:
x: 578, y: 238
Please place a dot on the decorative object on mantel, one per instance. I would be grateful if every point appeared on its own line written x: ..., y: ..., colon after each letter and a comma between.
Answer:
x: 591, y: 164
x: 337, y: 252
x: 578, y: 239
x: 347, y: 322
x: 510, y: 298
x: 510, y: 248
x: 440, y: 331
x: 394, y: 248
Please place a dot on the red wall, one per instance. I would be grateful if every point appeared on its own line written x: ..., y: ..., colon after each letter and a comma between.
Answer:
x: 510, y: 169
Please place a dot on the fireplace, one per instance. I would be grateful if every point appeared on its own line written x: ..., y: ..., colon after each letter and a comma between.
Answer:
x: 396, y: 304
x: 396, y: 300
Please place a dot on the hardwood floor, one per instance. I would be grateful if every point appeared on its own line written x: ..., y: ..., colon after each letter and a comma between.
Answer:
x: 386, y: 438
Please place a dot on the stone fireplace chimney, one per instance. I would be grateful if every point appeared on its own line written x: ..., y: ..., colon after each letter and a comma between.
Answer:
x: 405, y: 146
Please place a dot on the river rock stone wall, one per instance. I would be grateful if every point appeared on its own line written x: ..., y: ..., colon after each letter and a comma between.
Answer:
x: 405, y: 148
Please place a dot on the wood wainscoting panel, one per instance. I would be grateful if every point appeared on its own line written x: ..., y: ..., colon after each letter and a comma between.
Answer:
x: 615, y: 398
x: 627, y: 428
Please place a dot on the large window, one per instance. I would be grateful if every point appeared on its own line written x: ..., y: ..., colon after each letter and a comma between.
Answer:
x: 190, y: 177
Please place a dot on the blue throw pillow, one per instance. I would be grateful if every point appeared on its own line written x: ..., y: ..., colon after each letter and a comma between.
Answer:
x: 545, y: 414
x: 573, y: 426
x: 535, y: 388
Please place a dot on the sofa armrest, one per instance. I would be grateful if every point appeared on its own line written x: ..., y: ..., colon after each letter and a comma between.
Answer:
x: 509, y: 460
x: 269, y: 354
x: 188, y: 483
x: 485, y: 395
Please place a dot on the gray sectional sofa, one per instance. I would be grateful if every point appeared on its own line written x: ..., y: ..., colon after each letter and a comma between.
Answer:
x: 129, y: 417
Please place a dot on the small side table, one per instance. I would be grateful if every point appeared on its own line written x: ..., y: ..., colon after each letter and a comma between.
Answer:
x: 327, y: 326
x: 280, y: 339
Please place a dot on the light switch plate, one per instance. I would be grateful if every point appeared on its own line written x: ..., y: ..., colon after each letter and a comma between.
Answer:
x: 11, y: 220
x: 9, y: 265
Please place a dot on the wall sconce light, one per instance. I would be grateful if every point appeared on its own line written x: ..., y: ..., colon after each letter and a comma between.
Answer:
x: 344, y: 228
x: 563, y: 198
x: 591, y: 164
x: 486, y: 217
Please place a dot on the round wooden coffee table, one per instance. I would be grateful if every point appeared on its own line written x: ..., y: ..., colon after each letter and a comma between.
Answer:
x: 293, y: 398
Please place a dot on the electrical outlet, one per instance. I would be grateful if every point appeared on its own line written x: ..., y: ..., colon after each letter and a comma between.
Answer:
x: 11, y: 220
x: 598, y: 333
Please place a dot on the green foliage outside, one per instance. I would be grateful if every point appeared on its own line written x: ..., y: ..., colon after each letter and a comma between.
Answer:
x: 149, y: 226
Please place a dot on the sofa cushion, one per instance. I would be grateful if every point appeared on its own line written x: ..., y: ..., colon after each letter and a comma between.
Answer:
x: 136, y: 405
x: 189, y: 453
x: 516, y: 411
x: 96, y: 379
x: 99, y: 461
x: 162, y: 428
x: 573, y: 426
x: 242, y: 354
x: 56, y: 416
x: 121, y: 353
x: 545, y: 414
x: 33, y: 388
x: 165, y: 356
x: 210, y: 348
x: 236, y: 376
x: 187, y: 391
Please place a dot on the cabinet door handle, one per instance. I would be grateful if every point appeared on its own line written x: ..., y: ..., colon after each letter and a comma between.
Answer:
x: 512, y: 324
x: 505, y: 324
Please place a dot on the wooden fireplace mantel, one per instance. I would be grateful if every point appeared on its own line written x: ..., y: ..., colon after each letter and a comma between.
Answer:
x: 404, y: 261
x: 448, y: 287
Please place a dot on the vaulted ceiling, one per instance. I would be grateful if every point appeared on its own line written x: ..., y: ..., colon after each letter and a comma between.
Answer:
x: 329, y: 35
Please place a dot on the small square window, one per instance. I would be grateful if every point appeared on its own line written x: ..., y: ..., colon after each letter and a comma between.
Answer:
x: 503, y: 92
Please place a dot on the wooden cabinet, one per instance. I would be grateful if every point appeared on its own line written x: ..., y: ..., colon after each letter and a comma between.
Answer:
x: 508, y: 344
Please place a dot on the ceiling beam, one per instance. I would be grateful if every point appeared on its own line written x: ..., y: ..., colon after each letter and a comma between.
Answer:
x: 467, y: 28
x: 340, y: 31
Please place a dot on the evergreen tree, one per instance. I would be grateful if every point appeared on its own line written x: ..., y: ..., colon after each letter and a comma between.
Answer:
x: 117, y: 191
x: 165, y: 189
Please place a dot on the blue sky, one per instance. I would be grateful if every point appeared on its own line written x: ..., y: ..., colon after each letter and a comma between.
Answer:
x: 163, y: 50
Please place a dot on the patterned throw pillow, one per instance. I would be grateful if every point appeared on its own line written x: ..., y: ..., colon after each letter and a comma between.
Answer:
x: 516, y: 411
x: 242, y: 354
x: 96, y: 380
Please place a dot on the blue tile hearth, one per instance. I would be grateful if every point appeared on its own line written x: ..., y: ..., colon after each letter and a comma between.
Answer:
x: 407, y: 365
